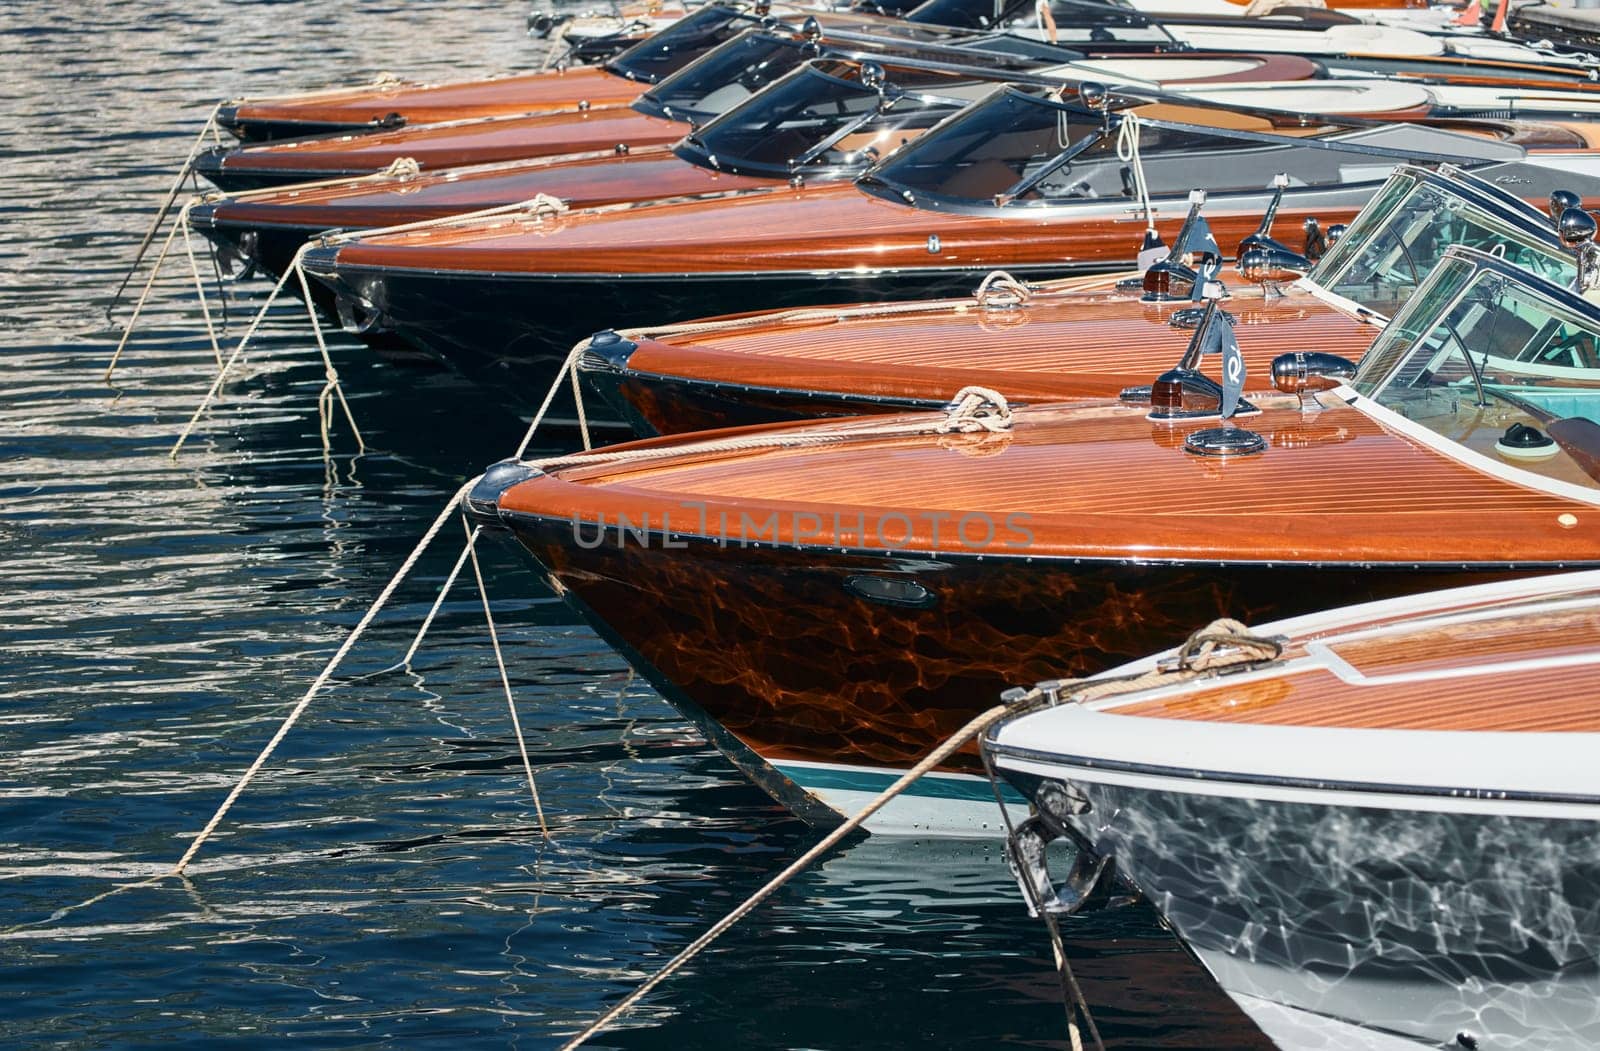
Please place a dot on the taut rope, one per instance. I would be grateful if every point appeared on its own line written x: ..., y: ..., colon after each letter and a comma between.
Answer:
x: 1204, y: 652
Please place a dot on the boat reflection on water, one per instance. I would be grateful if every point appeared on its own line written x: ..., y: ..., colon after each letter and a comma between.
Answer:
x: 1391, y: 830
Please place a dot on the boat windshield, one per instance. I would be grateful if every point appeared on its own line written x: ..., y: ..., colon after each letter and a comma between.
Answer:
x: 1095, y: 22
x: 1530, y: 346
x: 993, y: 147
x: 1398, y: 238
x: 1021, y: 148
x: 967, y: 14
x: 821, y: 116
x: 662, y: 54
x: 722, y: 79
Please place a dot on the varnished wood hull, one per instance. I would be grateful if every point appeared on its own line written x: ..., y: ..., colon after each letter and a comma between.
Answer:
x: 271, y: 227
x: 435, y: 147
x: 510, y: 333
x: 487, y: 293
x: 769, y: 643
x: 853, y: 601
x: 374, y: 107
x: 1060, y: 346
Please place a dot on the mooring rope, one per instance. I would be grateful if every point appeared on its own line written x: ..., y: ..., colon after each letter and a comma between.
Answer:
x: 166, y: 205
x: 1128, y: 136
x: 1001, y: 289
x: 973, y: 410
x: 799, y: 865
x: 505, y: 680
x: 569, y: 366
x: 331, y: 374
x: 1203, y: 653
x: 1071, y: 993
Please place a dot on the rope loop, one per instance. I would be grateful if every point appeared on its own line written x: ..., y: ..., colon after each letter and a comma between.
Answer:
x: 976, y: 409
x: 403, y: 168
x: 1128, y: 153
x: 1223, y: 642
x: 1000, y: 289
x: 543, y: 204
x: 387, y: 79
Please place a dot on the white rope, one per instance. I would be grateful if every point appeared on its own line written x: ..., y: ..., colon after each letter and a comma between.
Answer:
x: 973, y: 410
x: 433, y: 611
x: 166, y: 205
x: 199, y: 284
x: 568, y: 367
x: 322, y: 677
x: 138, y: 307
x: 505, y: 681
x: 330, y: 388
x: 1000, y: 289
x: 800, y: 864
x: 1128, y: 152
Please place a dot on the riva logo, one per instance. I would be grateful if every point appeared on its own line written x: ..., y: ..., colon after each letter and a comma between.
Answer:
x: 892, y: 530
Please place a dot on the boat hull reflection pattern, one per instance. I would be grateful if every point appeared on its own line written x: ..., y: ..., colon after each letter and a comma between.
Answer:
x: 771, y: 643
x: 1426, y: 924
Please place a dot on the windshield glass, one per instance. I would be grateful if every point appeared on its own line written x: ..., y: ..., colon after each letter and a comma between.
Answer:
x: 815, y: 118
x: 964, y: 14
x: 668, y: 51
x: 1397, y: 239
x: 1533, y: 352
x: 1021, y: 148
x: 722, y: 79
x: 991, y: 148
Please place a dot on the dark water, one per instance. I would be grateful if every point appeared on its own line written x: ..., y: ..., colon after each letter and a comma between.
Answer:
x: 383, y: 883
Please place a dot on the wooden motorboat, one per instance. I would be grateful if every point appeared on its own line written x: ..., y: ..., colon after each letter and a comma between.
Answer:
x: 391, y: 102
x: 1023, y: 181
x: 594, y: 37
x: 829, y: 600
x: 815, y: 125
x: 1060, y: 341
x: 1390, y: 831
x: 703, y: 89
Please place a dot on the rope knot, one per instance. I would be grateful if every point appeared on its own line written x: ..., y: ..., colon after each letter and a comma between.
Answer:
x: 403, y: 168
x: 1224, y: 642
x: 543, y: 204
x: 386, y: 79
x: 976, y: 409
x: 1000, y: 289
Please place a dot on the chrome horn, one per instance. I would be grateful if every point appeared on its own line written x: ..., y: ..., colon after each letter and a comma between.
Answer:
x: 1264, y: 260
x: 1300, y: 371
x: 1576, y: 229
x: 1561, y: 201
x: 1268, y: 266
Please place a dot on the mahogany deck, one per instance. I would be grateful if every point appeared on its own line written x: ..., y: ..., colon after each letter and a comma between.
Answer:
x: 1100, y: 481
x: 1528, y: 699
x: 835, y: 227
x: 545, y: 92
x: 453, y: 145
x: 1056, y: 347
x: 642, y: 174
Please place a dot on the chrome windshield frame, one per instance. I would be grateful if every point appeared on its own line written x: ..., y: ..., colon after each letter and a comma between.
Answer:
x: 1110, y: 122
x: 1481, y: 263
x: 1507, y: 207
x: 693, y: 148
